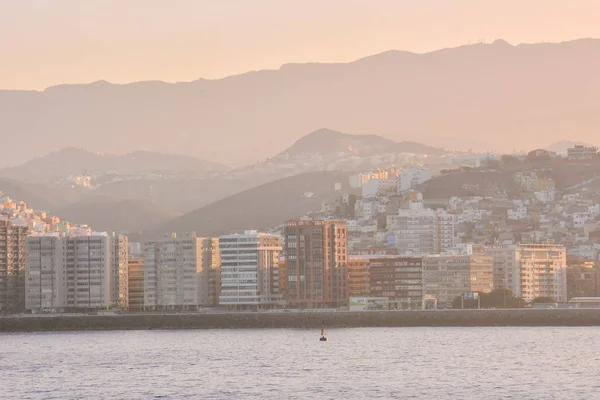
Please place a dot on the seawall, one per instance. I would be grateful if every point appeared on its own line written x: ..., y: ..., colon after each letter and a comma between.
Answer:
x: 303, y: 320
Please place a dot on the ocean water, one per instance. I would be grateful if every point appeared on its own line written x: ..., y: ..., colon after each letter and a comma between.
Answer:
x: 369, y: 363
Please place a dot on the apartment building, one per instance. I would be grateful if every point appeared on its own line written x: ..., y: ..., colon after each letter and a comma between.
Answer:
x: 421, y: 231
x: 543, y: 270
x: 358, y: 276
x: 316, y: 260
x: 531, y: 270
x: 135, y: 285
x: 400, y: 279
x: 283, y: 278
x: 449, y: 276
x: 179, y: 272
x: 209, y: 278
x: 12, y: 267
x: 250, y: 277
x: 411, y: 178
x: 506, y: 267
x: 75, y: 273
x: 120, y: 270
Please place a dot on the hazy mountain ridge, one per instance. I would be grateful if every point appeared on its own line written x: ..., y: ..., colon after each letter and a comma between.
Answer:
x: 106, y: 214
x: 507, y: 96
x: 75, y: 161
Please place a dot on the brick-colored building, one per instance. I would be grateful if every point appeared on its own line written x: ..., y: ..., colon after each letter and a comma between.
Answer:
x: 316, y: 261
x: 12, y: 267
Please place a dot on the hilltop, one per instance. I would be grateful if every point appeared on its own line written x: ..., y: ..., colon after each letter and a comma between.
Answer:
x: 330, y: 143
x: 496, y: 96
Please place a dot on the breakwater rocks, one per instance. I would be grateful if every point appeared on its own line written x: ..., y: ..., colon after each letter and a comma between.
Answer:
x: 303, y: 320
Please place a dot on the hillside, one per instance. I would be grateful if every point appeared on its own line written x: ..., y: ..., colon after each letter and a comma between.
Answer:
x: 263, y: 207
x: 496, y: 96
x: 39, y: 196
x: 329, y: 143
x: 107, y: 214
x: 469, y: 183
x: 74, y: 161
x: 418, y: 148
x: 561, y: 147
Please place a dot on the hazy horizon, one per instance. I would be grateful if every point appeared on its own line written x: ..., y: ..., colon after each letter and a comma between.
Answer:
x: 83, y: 42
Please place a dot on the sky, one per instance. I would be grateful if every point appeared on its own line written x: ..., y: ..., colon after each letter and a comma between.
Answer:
x: 49, y: 42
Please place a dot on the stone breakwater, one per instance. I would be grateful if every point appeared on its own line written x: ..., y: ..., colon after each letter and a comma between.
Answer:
x: 303, y: 320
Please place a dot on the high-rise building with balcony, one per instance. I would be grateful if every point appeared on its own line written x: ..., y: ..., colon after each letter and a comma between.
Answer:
x: 120, y: 270
x: 74, y: 273
x: 12, y: 267
x: 135, y: 286
x: 543, y: 270
x: 250, y: 270
x: 531, y: 270
x: 178, y: 272
x: 209, y: 278
x: 317, y: 263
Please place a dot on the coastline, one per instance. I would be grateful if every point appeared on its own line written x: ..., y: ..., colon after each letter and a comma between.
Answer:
x: 302, y: 320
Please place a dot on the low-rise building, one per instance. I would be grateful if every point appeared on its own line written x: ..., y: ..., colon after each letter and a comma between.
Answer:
x: 448, y: 277
x: 580, y: 152
x: 358, y: 276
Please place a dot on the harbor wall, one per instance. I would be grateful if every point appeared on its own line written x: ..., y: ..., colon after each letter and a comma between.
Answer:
x: 304, y: 320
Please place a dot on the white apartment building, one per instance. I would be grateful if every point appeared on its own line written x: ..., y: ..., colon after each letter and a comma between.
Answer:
x: 411, y: 178
x: 531, y: 270
x: 180, y: 272
x: 376, y: 187
x: 517, y: 214
x: 580, y: 218
x: 70, y: 273
x: 543, y: 271
x: 420, y: 231
x: 250, y: 270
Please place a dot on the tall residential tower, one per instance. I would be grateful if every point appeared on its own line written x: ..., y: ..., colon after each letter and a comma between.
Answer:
x: 316, y: 259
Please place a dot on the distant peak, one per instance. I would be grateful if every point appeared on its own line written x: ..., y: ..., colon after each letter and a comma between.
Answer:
x: 501, y: 42
x: 324, y: 131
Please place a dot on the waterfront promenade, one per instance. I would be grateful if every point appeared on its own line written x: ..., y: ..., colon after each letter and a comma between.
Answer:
x: 303, y: 320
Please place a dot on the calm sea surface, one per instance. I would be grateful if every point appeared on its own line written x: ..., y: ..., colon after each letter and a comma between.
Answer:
x: 402, y: 363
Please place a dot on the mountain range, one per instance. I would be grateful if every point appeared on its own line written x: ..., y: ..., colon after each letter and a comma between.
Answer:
x: 483, y: 96
x: 74, y: 161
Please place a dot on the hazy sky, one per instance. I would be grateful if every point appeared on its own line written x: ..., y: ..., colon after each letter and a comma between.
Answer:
x: 47, y: 42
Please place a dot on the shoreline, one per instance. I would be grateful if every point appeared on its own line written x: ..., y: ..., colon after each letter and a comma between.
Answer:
x: 302, y: 320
